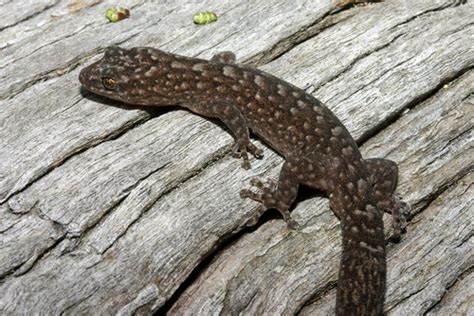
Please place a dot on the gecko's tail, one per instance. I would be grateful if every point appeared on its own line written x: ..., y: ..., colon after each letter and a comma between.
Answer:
x: 362, y: 273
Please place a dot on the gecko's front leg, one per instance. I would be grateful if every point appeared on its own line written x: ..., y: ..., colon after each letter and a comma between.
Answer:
x: 231, y: 116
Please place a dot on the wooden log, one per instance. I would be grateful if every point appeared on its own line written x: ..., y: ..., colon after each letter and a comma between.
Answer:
x: 106, y: 208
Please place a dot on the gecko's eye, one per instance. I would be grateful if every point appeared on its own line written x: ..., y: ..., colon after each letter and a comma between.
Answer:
x: 109, y: 83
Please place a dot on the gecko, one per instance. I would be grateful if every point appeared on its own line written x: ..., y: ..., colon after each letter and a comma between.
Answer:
x: 318, y: 150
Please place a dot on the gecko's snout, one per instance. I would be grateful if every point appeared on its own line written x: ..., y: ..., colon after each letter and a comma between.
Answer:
x: 82, y: 76
x: 89, y: 77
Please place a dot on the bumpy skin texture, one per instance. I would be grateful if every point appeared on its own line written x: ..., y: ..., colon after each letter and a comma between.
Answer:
x: 319, y: 151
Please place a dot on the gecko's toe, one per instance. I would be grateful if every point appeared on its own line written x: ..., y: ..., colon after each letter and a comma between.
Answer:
x: 292, y: 224
x: 257, y: 152
x: 246, y: 193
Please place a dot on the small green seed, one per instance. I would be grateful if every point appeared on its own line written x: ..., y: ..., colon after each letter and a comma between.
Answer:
x: 116, y: 14
x: 205, y: 17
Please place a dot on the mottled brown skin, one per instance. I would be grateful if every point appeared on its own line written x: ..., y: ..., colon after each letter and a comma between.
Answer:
x: 319, y: 151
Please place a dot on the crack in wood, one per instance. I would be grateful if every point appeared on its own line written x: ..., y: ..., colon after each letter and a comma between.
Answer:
x: 441, y: 8
x: 416, y: 101
x: 359, y: 58
x: 456, y: 280
x: 57, y: 40
x: 118, y: 203
x: 67, y: 308
x: 57, y: 72
x: 29, y: 264
x: 426, y: 201
x: 77, y: 151
x: 28, y: 17
x: 204, y: 262
x: 302, y: 35
x: 318, y: 295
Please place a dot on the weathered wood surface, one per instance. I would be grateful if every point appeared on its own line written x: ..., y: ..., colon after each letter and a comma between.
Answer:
x: 111, y: 209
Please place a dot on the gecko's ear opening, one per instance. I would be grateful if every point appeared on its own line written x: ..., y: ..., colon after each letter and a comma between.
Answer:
x: 112, y: 51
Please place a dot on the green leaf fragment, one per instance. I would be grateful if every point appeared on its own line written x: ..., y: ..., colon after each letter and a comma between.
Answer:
x: 205, y: 17
x: 116, y: 14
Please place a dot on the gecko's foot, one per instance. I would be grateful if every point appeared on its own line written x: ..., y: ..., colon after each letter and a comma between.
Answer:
x: 267, y: 195
x: 239, y: 152
x: 399, y: 222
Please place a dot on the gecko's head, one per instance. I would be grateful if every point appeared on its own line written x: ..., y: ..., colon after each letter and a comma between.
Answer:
x: 136, y: 76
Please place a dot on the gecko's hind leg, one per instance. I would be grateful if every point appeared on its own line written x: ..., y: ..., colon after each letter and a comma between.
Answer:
x: 281, y: 195
x: 384, y: 175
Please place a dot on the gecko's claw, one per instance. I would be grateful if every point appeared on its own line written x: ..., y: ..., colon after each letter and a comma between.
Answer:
x: 239, y: 151
x: 257, y: 152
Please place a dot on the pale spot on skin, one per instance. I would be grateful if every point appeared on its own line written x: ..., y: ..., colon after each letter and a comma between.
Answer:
x: 243, y: 82
x: 361, y: 186
x: 347, y: 151
x: 336, y: 131
x: 296, y: 94
x: 124, y: 78
x: 318, y: 110
x: 251, y: 106
x: 293, y: 111
x: 178, y: 65
x: 200, y: 85
x: 306, y: 125
x: 229, y: 71
x: 370, y: 208
x: 236, y: 87
x: 184, y: 85
x: 370, y: 248
x: 199, y: 67
x: 150, y: 72
x: 272, y: 99
x: 351, y: 168
x: 354, y: 229
x: 282, y: 90
x: 301, y: 104
x: 259, y: 81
